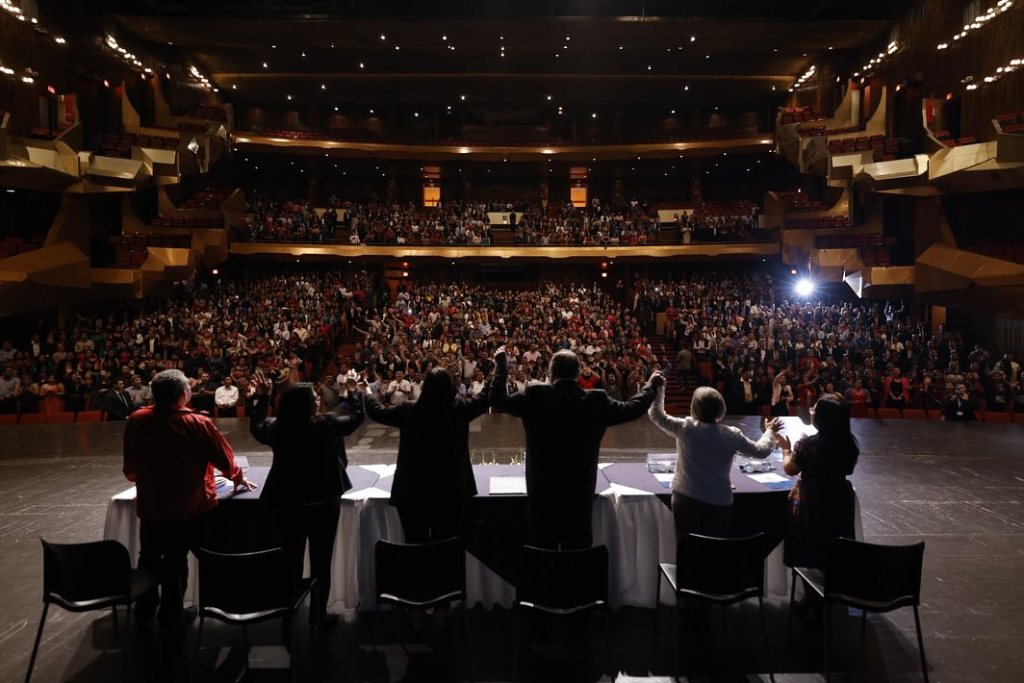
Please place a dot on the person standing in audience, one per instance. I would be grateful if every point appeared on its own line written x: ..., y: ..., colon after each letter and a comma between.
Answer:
x: 701, y: 487
x: 226, y: 397
x: 564, y: 425
x: 118, y: 403
x: 434, y: 477
x: 959, y: 406
x: 170, y: 453
x: 821, y: 503
x: 306, y: 480
x: 140, y: 394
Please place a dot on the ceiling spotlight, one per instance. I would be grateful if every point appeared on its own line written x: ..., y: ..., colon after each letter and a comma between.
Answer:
x: 323, y: 86
x: 686, y: 87
x: 383, y: 37
x: 416, y: 114
x: 462, y: 97
x: 594, y: 115
x: 371, y: 111
x: 289, y: 97
x: 549, y: 98
x: 397, y: 47
x: 234, y: 86
x: 265, y: 65
x: 620, y: 47
x: 303, y: 54
x: 693, y: 39
x: 361, y: 65
x: 444, y: 37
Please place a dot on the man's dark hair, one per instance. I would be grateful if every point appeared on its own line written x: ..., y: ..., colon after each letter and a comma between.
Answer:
x: 564, y: 365
x: 167, y: 387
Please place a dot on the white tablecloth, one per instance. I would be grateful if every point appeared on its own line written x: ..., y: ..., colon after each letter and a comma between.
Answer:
x: 635, y: 525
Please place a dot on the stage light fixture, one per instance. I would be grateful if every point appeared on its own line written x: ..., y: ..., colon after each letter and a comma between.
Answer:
x: 804, y: 288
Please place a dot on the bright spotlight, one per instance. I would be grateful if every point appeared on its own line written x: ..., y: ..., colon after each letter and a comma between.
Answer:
x: 804, y: 287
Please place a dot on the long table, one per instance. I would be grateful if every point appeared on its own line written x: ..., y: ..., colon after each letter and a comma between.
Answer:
x: 631, y: 517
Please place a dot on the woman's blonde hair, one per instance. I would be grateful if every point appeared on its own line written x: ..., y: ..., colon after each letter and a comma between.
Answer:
x: 707, y: 405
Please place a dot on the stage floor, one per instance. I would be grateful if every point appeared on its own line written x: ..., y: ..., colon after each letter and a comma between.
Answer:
x: 959, y: 487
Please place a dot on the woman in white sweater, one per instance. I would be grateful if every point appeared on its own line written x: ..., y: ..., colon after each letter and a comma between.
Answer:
x: 701, y: 488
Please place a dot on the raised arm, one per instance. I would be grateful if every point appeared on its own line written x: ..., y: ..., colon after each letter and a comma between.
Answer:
x: 259, y: 423
x: 617, y: 412
x: 761, y: 448
x: 344, y: 425
x: 478, y: 405
x: 392, y: 416
x: 662, y: 420
x: 499, y: 396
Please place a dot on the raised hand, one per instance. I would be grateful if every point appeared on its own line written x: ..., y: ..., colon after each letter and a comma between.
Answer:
x: 657, y: 380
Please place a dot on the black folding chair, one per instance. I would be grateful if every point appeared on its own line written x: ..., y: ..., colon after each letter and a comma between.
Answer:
x: 82, y: 577
x: 720, y: 571
x: 420, y: 576
x: 868, y: 577
x: 562, y: 583
x: 246, y: 589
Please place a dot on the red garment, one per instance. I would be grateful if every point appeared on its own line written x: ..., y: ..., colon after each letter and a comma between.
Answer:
x: 592, y: 382
x: 170, y: 455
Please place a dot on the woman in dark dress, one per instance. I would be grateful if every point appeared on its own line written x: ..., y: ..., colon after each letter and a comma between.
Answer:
x: 434, y: 477
x: 306, y: 479
x: 821, y: 503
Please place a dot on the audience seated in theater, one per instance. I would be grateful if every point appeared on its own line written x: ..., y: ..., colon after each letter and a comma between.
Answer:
x: 701, y: 488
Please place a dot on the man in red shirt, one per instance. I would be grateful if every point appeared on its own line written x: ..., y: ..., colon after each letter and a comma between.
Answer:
x: 170, y: 453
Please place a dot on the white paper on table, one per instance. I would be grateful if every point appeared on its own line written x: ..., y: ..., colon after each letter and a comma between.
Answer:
x: 503, y: 486
x: 618, y: 490
x: 767, y: 478
x: 366, y: 494
x: 127, y: 494
x: 602, y: 465
x: 664, y: 477
x: 381, y: 470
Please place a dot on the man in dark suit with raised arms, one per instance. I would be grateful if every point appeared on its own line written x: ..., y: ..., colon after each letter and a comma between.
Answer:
x: 564, y: 425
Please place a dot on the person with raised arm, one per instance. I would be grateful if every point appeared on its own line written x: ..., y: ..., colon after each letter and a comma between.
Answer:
x: 564, y: 424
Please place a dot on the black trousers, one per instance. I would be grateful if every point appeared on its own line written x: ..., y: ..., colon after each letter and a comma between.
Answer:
x: 294, y: 525
x: 423, y: 524
x: 163, y: 549
x: 560, y: 527
x: 696, y: 517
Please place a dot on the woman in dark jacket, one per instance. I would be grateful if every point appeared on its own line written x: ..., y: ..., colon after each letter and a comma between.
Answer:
x: 821, y: 504
x: 434, y: 478
x: 306, y: 479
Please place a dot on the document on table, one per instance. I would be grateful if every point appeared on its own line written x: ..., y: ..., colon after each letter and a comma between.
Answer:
x: 664, y: 478
x: 505, y: 486
x: 768, y: 478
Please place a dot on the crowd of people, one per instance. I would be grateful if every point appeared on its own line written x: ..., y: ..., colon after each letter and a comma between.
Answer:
x: 738, y: 332
x: 470, y: 223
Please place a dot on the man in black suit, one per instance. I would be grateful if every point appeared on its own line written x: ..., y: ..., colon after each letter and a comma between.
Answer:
x: 118, y: 402
x: 564, y: 425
